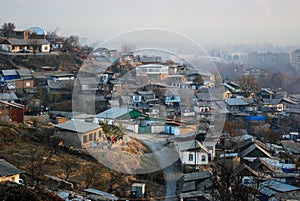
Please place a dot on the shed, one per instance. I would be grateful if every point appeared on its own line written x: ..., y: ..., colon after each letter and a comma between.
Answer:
x: 138, y: 190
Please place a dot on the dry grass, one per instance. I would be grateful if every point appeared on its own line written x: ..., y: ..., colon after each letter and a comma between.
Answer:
x: 20, y: 145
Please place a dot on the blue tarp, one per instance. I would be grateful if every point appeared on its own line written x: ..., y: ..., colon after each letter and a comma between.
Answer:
x: 256, y: 118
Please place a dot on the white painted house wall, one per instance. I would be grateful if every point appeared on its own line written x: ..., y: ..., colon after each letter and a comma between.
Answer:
x: 184, y: 157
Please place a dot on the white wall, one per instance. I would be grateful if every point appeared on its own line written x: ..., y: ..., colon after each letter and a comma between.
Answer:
x: 157, y: 129
x: 184, y: 156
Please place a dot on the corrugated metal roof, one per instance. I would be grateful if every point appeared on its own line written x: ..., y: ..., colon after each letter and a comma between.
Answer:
x: 77, y: 126
x: 24, y: 72
x: 279, y: 186
x: 9, y: 72
x: 113, y: 113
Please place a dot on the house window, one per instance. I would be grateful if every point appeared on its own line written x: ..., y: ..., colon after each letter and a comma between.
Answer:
x: 191, y: 157
x: 46, y: 48
x: 99, y: 134
x: 27, y: 84
x: 84, y: 139
x: 203, y: 158
x: 13, y: 179
x: 95, y: 136
x: 91, y: 137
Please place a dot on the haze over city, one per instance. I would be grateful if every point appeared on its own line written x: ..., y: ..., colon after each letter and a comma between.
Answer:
x: 207, y: 22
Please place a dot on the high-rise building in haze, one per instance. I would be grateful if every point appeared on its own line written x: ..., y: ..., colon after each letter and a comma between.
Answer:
x: 295, y: 59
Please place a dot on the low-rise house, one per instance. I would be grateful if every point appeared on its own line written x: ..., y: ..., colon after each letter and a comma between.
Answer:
x: 193, y: 155
x: 9, y: 97
x: 234, y: 89
x: 112, y: 114
x: 274, y: 105
x: 97, y: 195
x: 236, y: 105
x: 178, y: 128
x: 11, y: 112
x: 285, y: 177
x: 271, y: 189
x: 178, y: 80
x: 124, y: 117
x: 19, y: 79
x: 291, y: 147
x: 29, y: 45
x: 26, y: 80
x: 79, y: 134
x: 67, y: 76
x: 264, y: 167
x: 8, y: 172
x: 9, y: 75
x: 254, y: 151
x: 195, y: 186
x: 59, y: 86
x: 36, y: 32
x: 247, y: 175
x: 151, y: 72
x: 33, y: 103
x: 87, y: 83
x: 265, y: 93
x: 138, y: 190
x: 172, y: 101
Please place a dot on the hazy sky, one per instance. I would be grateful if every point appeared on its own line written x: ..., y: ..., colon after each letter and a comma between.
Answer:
x: 205, y: 21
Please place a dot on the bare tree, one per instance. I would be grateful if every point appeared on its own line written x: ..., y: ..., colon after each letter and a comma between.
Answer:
x: 229, y: 187
x: 69, y: 166
x: 128, y: 47
x: 91, y: 174
x: 7, y: 28
x: 34, y: 43
x: 35, y: 165
x: 248, y: 84
x: 71, y: 44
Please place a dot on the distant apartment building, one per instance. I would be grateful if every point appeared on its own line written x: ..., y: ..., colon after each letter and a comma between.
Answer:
x: 267, y: 59
x: 295, y: 59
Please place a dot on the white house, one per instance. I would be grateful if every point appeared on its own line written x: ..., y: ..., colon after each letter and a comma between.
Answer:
x: 193, y: 155
x: 154, y: 72
x: 26, y: 45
